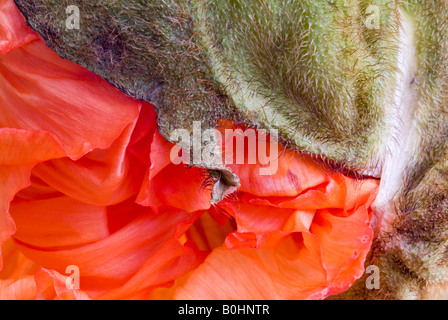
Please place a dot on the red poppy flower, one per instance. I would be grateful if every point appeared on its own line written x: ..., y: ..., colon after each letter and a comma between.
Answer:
x: 87, y: 182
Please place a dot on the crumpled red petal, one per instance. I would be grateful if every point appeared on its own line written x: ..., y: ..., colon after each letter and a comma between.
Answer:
x: 13, y: 32
x: 20, y: 151
x: 173, y: 185
x: 50, y: 108
x: 57, y: 96
x: 61, y: 221
x: 123, y: 253
x: 308, y: 242
x: 86, y: 180
x: 101, y: 177
x: 303, y: 265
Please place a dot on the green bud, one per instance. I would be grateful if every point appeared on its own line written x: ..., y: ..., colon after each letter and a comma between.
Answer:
x: 360, y: 84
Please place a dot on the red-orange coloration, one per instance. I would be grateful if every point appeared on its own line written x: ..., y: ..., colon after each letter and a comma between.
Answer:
x: 86, y: 180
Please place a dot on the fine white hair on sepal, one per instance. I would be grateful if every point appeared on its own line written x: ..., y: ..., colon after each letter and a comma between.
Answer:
x: 400, y: 141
